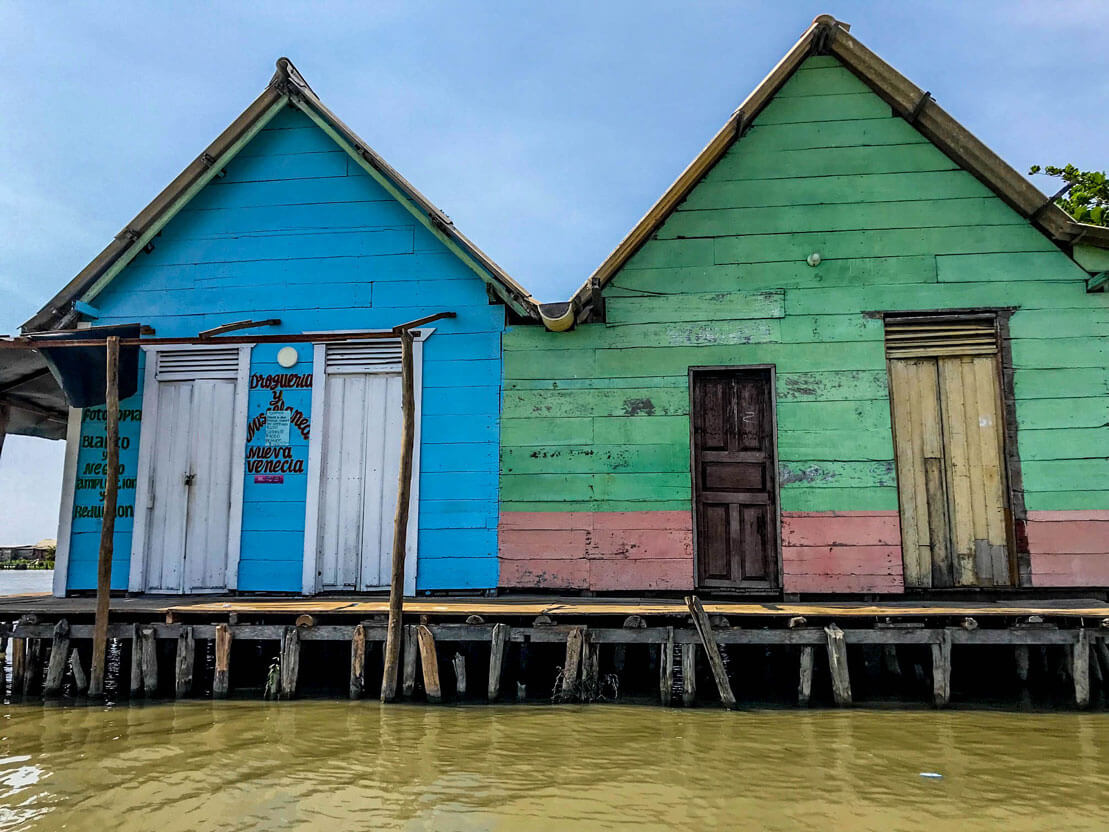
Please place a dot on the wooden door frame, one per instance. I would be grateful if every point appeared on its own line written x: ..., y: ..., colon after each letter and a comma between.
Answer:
x: 310, y: 583
x: 1010, y: 453
x: 772, y: 372
x: 148, y: 427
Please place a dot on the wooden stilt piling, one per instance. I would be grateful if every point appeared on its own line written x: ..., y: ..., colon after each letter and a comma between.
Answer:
x: 429, y: 661
x: 497, y: 642
x: 1080, y: 668
x: 890, y: 661
x: 358, y: 662
x: 18, y: 649
x: 689, y: 674
x: 400, y: 522
x: 136, y: 663
x: 221, y: 681
x: 712, y: 650
x: 941, y: 670
x: 590, y: 668
x: 837, y: 663
x: 571, y: 666
x: 1023, y: 661
x: 411, y: 654
x: 290, y: 662
x: 1101, y: 651
x: 31, y: 669
x: 459, y: 664
x: 59, y: 656
x: 666, y: 667
x: 149, y: 661
x: 804, y: 682
x: 108, y: 521
x: 80, y: 680
x: 186, y: 656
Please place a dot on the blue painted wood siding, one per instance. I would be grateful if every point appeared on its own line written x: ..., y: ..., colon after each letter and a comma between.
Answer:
x: 297, y: 231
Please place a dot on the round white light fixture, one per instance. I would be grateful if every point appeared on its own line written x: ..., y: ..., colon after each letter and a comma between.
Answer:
x: 287, y: 357
x: 813, y: 259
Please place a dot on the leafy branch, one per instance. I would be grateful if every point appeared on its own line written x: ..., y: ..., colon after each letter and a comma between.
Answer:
x: 1085, y: 195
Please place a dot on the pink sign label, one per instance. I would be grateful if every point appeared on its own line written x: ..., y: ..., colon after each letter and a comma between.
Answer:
x: 264, y: 478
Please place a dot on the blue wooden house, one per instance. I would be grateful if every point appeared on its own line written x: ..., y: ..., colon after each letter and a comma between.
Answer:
x: 272, y: 467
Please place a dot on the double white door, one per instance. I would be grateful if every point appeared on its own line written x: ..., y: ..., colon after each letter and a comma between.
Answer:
x: 192, y: 455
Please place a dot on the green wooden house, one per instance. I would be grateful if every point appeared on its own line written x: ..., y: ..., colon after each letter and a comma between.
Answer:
x: 850, y: 350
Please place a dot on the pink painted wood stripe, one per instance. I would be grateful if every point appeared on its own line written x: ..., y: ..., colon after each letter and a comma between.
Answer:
x: 641, y: 574
x: 840, y: 530
x: 637, y: 544
x: 624, y: 520
x: 1067, y: 516
x: 1070, y: 570
x: 543, y: 544
x: 842, y: 583
x: 546, y: 574
x: 1069, y: 537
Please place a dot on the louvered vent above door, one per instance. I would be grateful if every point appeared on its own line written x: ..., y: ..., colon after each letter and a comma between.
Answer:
x: 376, y: 356
x: 187, y: 365
x: 923, y: 337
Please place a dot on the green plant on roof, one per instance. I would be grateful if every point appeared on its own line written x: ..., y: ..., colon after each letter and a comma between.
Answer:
x: 1085, y: 195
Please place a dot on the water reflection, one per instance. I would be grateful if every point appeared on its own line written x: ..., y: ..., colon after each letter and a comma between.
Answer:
x: 338, y: 766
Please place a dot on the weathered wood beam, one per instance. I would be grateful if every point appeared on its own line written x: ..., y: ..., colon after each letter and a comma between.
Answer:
x: 571, y: 665
x: 18, y: 647
x: 497, y: 644
x: 429, y: 661
x: 666, y: 668
x: 411, y: 654
x: 80, y: 680
x: 941, y: 670
x: 136, y: 663
x: 712, y: 650
x: 689, y: 674
x: 837, y: 663
x: 358, y: 662
x: 59, y: 657
x: 221, y: 681
x: 186, y: 656
x: 1080, y: 668
x: 149, y: 661
x: 804, y: 682
x: 31, y: 669
x: 290, y: 662
x: 459, y: 665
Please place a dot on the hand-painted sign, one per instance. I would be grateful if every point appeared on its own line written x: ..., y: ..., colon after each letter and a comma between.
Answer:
x: 277, y: 427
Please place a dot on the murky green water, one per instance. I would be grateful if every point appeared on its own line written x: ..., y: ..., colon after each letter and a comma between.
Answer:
x: 344, y: 766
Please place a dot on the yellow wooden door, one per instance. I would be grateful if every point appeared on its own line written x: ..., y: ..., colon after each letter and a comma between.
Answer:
x: 949, y: 441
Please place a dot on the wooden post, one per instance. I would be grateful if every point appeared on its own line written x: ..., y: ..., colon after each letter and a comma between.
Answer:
x: 429, y: 660
x: 411, y: 648
x: 221, y: 682
x: 290, y: 662
x: 459, y: 663
x: 80, y: 680
x: 1080, y: 668
x: 31, y: 665
x: 837, y: 663
x: 149, y: 661
x: 712, y: 650
x: 108, y: 522
x: 136, y: 662
x: 571, y: 666
x: 666, y: 667
x: 400, y: 521
x: 1101, y: 650
x: 59, y: 655
x: 358, y: 662
x: 941, y: 670
x: 689, y: 674
x: 19, y: 659
x: 186, y: 655
x: 804, y: 683
x: 497, y: 644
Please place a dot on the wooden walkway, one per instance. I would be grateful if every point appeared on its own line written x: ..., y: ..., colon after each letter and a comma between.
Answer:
x: 208, y: 606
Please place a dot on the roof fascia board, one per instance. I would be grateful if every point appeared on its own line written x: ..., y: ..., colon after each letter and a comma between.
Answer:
x: 357, y: 151
x: 55, y: 309
x: 181, y: 201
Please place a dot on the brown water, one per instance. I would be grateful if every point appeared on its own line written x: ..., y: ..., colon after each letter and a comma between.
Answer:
x: 340, y: 766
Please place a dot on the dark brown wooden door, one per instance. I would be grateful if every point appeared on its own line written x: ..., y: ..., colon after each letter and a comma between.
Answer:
x: 734, y: 479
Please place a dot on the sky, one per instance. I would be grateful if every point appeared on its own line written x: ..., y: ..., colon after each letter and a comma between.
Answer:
x: 544, y: 130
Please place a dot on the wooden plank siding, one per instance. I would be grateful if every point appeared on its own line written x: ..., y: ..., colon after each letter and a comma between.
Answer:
x: 296, y: 230
x: 596, y: 420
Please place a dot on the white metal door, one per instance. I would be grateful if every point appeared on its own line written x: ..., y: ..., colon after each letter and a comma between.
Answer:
x: 189, y: 500
x: 360, y: 463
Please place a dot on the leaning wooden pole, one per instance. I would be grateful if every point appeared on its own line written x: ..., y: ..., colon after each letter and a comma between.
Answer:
x: 108, y: 523
x: 400, y: 521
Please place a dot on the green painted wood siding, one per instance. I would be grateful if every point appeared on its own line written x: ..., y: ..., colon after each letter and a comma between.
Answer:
x: 598, y: 418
